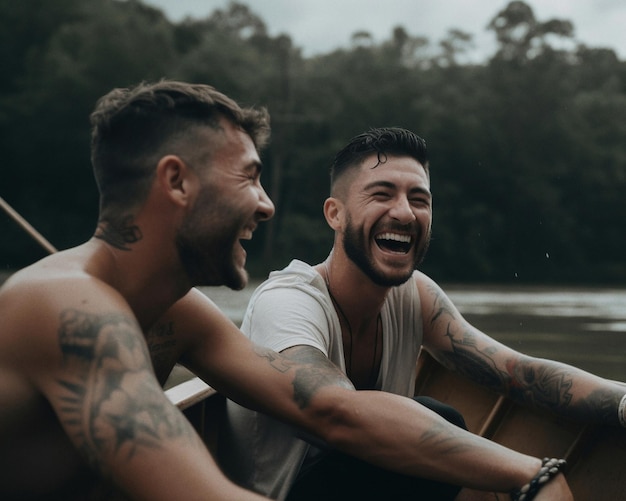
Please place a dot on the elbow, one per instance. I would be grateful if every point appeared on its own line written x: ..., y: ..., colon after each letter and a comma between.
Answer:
x: 334, y: 417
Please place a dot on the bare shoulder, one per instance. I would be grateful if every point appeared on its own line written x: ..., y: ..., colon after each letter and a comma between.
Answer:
x: 42, y: 308
x: 35, y: 298
x: 434, y: 301
x: 49, y: 316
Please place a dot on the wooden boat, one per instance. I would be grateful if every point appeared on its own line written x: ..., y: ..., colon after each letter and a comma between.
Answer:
x: 595, y: 455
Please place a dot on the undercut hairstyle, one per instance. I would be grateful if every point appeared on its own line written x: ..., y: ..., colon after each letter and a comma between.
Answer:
x: 133, y: 128
x: 383, y: 142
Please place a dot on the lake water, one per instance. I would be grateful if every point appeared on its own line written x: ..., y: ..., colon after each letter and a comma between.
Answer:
x: 585, y: 327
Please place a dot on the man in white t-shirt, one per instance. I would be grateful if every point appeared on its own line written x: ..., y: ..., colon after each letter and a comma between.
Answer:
x: 366, y: 312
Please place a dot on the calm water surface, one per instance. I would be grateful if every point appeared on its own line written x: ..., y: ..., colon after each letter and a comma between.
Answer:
x: 585, y: 327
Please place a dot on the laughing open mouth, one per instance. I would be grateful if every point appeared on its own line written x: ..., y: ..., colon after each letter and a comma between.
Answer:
x: 394, y: 242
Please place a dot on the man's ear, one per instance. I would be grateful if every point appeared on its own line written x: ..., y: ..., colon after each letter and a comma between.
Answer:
x: 333, y: 212
x: 176, y: 179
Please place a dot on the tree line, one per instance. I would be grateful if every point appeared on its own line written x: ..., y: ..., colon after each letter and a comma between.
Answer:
x: 528, y: 158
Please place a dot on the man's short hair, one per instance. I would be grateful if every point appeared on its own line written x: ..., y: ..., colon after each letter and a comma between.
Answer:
x: 383, y: 141
x: 132, y: 128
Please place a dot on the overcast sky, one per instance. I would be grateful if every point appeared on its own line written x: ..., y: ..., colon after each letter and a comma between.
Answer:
x: 319, y: 26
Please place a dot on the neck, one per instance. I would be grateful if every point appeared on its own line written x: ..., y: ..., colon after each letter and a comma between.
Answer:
x: 361, y: 329
x: 149, y: 290
x: 359, y: 297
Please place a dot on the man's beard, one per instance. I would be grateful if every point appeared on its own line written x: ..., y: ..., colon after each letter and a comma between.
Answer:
x: 355, y: 245
x: 217, y: 269
x: 206, y: 251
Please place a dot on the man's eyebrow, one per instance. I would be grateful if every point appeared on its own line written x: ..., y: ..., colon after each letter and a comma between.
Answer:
x: 380, y: 184
x: 391, y: 186
x: 423, y: 191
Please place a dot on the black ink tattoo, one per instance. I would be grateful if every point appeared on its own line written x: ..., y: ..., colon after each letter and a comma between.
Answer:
x: 526, y: 380
x: 446, y: 440
x: 601, y: 406
x: 540, y: 384
x: 441, y: 308
x: 465, y: 356
x: 119, y: 232
x: 278, y: 362
x: 313, y: 371
x: 113, y: 405
x: 469, y: 361
x: 530, y: 381
x: 162, y: 347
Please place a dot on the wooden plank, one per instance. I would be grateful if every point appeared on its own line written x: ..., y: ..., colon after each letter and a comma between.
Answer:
x: 189, y: 393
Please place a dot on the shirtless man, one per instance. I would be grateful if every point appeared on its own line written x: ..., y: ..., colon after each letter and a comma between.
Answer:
x: 90, y: 334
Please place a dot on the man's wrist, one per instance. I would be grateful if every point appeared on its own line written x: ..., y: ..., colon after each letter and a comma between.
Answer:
x: 550, y: 468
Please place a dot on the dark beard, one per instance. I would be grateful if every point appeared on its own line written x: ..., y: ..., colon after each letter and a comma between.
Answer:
x: 354, y: 244
x: 204, y: 269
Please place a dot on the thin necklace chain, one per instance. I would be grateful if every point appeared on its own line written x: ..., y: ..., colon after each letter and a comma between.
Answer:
x: 372, y: 377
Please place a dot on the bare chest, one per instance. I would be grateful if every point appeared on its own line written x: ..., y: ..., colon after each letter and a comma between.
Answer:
x: 362, y: 354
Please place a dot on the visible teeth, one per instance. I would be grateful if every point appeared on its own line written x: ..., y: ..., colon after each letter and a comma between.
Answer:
x: 394, y: 236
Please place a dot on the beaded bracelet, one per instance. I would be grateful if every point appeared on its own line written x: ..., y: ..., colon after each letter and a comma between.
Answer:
x: 550, y: 468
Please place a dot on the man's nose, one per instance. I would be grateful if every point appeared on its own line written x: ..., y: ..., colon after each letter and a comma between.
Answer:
x: 266, y: 206
x: 402, y: 211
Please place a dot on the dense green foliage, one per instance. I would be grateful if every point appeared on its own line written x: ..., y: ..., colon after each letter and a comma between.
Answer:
x: 528, y: 149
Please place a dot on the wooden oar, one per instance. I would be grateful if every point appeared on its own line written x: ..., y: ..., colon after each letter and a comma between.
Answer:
x: 27, y: 227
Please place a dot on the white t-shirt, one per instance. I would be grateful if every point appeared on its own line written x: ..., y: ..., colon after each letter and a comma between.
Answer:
x: 293, y: 307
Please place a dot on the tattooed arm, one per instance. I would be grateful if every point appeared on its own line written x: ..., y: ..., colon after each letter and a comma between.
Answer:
x: 531, y: 381
x: 303, y: 387
x: 98, y: 377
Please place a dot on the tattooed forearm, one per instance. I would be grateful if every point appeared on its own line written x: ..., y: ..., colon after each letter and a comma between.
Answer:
x: 537, y: 383
x: 540, y: 383
x: 446, y: 440
x: 475, y: 364
x: 550, y: 384
x: 601, y: 406
x: 463, y: 355
x: 113, y: 404
x: 528, y: 380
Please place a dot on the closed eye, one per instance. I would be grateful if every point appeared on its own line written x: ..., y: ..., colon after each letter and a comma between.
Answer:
x: 420, y: 201
x: 381, y: 194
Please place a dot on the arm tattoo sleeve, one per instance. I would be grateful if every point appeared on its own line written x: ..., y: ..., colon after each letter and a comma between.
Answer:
x: 528, y: 380
x: 113, y: 404
x: 464, y: 355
